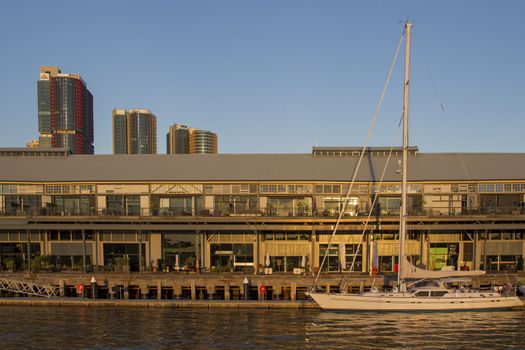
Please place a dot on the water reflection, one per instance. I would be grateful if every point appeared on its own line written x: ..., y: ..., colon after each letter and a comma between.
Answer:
x: 502, y: 329
x: 101, y: 328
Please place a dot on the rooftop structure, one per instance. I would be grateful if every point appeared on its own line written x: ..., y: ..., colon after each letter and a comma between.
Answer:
x: 356, y: 151
x: 424, y: 167
x: 34, y: 152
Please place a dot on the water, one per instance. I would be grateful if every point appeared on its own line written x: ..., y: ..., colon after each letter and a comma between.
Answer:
x: 162, y: 328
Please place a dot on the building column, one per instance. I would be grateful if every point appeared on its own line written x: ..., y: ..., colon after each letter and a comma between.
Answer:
x: 256, y: 253
x: 140, y: 250
x: 312, y: 253
x: 227, y: 294
x: 159, y: 289
x: 422, y: 248
x: 428, y: 249
x: 475, y: 263
x: 28, y: 234
x: 197, y: 251
x: 193, y: 290
x: 293, y: 291
x: 45, y: 248
x: 83, y: 250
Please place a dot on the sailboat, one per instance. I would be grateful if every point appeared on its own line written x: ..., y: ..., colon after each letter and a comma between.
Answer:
x: 437, y: 294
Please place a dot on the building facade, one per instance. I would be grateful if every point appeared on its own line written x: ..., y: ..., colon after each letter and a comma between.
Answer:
x: 203, y: 142
x: 263, y: 213
x: 183, y: 140
x: 120, y: 131
x: 65, y: 111
x: 134, y: 131
x: 178, y: 139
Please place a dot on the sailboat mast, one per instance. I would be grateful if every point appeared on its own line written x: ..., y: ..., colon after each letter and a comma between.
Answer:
x: 404, y: 187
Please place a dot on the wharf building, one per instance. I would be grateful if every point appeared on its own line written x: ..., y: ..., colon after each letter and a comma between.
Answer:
x: 263, y: 213
x: 134, y: 131
x: 65, y: 111
x: 183, y: 140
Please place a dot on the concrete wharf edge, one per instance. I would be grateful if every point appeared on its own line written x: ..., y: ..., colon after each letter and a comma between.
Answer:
x: 206, y: 304
x: 179, y: 304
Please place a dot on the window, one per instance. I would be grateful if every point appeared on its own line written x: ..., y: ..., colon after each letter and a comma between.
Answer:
x: 231, y: 256
x: 22, y: 205
x: 289, y: 206
x: 332, y: 259
x: 287, y: 189
x: 123, y: 205
x: 180, y: 250
x: 468, y: 251
x: 334, y: 204
x: 69, y: 189
x: 353, y: 251
x: 388, y: 206
x: 502, y: 263
x: 128, y: 251
x: 443, y: 254
x: 288, y: 236
x: 176, y: 205
x: 235, y: 205
x: 72, y: 205
x: 388, y: 263
x: 388, y: 235
x: 437, y: 293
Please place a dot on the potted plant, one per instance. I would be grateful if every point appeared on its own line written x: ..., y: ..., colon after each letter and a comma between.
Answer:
x: 10, y: 264
x: 121, y: 264
x: 41, y: 263
x: 190, y: 262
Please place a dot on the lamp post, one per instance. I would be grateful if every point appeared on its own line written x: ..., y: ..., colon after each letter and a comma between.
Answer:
x: 93, y: 288
x: 245, y: 284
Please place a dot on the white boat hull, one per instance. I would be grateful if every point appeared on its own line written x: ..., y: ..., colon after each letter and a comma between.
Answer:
x: 408, y: 302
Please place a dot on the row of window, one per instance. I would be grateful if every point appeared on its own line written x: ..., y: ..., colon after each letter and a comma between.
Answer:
x: 268, y: 188
x: 120, y: 235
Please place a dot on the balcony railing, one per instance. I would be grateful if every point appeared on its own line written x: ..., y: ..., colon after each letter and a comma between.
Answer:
x: 180, y: 212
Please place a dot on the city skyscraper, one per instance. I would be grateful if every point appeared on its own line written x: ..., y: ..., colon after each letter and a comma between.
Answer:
x: 134, y: 131
x: 177, y: 139
x: 120, y: 133
x: 183, y: 140
x: 65, y: 111
x: 202, y: 141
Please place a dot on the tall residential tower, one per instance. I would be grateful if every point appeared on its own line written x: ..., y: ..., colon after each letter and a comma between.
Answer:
x: 178, y: 139
x: 134, y: 131
x: 183, y: 140
x: 65, y: 111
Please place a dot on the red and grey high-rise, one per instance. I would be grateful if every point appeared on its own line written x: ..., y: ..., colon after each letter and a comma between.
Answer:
x: 65, y: 111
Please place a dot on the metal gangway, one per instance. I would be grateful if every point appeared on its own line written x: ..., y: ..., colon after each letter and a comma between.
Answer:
x: 29, y: 288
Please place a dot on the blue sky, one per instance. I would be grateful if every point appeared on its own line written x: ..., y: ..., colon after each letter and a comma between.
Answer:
x: 276, y: 76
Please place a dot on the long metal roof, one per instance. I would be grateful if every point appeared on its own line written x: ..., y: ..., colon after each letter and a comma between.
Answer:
x: 259, y: 167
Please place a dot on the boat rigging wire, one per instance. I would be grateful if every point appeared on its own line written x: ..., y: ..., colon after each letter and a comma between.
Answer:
x: 363, y: 151
x: 447, y: 122
x: 427, y: 66
x: 374, y: 201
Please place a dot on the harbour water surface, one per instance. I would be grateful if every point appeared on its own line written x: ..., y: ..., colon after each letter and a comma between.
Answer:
x: 161, y: 328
